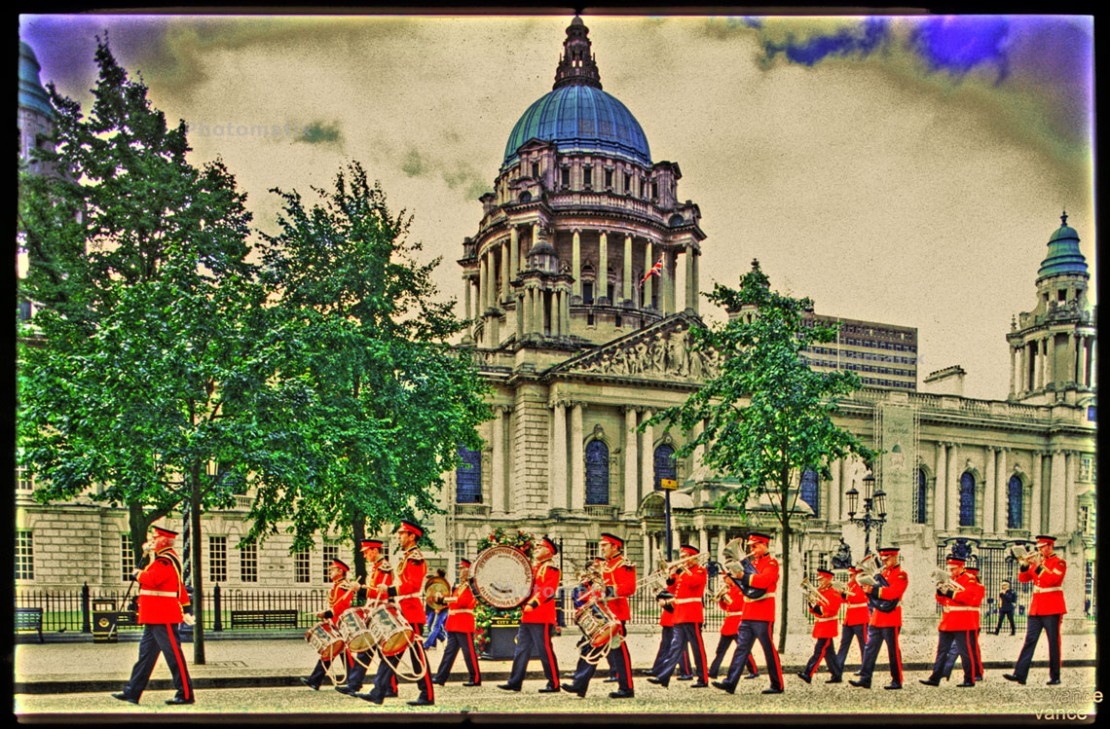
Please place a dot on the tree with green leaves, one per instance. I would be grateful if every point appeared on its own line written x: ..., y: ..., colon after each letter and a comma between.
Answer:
x: 391, y: 399
x: 767, y: 415
x: 146, y: 379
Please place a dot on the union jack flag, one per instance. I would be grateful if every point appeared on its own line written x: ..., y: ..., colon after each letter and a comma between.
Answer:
x: 656, y: 270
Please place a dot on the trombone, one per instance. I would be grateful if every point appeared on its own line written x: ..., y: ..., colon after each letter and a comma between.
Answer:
x: 657, y: 580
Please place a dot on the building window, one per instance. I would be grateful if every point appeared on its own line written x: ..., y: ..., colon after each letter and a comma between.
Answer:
x: 248, y: 562
x: 665, y: 466
x: 967, y: 499
x: 592, y: 549
x: 1015, y: 494
x: 331, y: 552
x: 565, y: 174
x: 23, y: 482
x: 535, y: 169
x: 302, y: 568
x: 587, y: 292
x: 808, y: 490
x: 608, y: 179
x: 597, y: 472
x: 24, y: 555
x: 587, y: 176
x: 920, y: 497
x: 126, y: 557
x: 468, y: 477
x: 460, y: 553
x: 627, y: 183
x: 217, y: 559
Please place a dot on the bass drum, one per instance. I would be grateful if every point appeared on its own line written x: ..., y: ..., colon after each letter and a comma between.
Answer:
x: 502, y: 577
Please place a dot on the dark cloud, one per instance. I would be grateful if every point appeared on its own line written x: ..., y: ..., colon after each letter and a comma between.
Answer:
x: 856, y: 41
x: 319, y: 133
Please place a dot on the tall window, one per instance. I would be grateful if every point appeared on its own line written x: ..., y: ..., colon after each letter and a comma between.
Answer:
x: 248, y: 562
x: 592, y: 548
x: 597, y: 472
x: 217, y: 559
x: 22, y: 480
x: 302, y: 569
x: 587, y: 176
x: 126, y: 557
x: 331, y: 552
x: 587, y: 292
x: 24, y: 555
x: 808, y: 490
x: 967, y: 499
x: 565, y: 176
x: 1015, y: 494
x: 460, y: 553
x: 920, y: 498
x: 664, y: 464
x: 468, y: 477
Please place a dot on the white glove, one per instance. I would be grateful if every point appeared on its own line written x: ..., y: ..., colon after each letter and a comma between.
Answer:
x: 189, y: 619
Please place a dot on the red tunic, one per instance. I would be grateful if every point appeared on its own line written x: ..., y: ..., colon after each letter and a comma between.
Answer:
x: 339, y: 599
x: 766, y: 577
x: 161, y: 592
x: 960, y: 611
x: 828, y: 615
x: 621, y: 576
x: 406, y: 584
x: 666, y: 617
x: 898, y: 581
x: 544, y: 587
x: 1048, y: 594
x: 688, y: 588
x: 460, y: 611
x: 980, y: 593
x: 733, y: 605
x: 856, y: 599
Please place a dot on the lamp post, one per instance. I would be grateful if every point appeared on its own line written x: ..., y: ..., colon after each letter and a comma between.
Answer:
x: 874, y: 511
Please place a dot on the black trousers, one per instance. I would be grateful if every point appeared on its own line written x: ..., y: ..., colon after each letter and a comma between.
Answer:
x: 531, y: 637
x: 722, y: 648
x: 949, y: 639
x: 1050, y: 624
x: 665, y: 639
x: 457, y: 641
x: 875, y: 639
x: 164, y: 638
x: 824, y: 648
x: 685, y: 634
x: 847, y: 632
x: 320, y: 672
x: 619, y: 661
x: 1002, y: 617
x: 356, y: 672
x: 750, y: 632
x: 387, y: 676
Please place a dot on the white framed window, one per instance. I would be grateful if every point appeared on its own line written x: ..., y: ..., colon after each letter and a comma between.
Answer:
x: 24, y: 555
x: 217, y: 558
x: 248, y: 562
x: 302, y: 567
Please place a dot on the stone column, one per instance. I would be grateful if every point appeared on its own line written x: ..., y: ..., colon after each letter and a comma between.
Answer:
x: 1057, y: 494
x: 697, y: 280
x: 648, y: 282
x: 498, y: 486
x: 953, y: 487
x: 703, y: 540
x: 1071, y: 505
x: 1013, y: 365
x: 1042, y: 357
x: 1073, y: 355
x: 556, y: 309
x: 1024, y: 367
x: 483, y: 283
x: 647, y: 457
x: 691, y: 288
x: 1082, y: 379
x: 631, y: 464
x: 668, y: 283
x: 649, y: 551
x: 514, y: 250
x: 940, y: 490
x: 832, y: 514
x: 526, y: 312
x: 504, y: 271
x: 722, y: 540
x: 466, y: 296
x: 1002, y: 493
x: 577, y: 461
x: 989, y: 489
x: 626, y: 280
x: 520, y: 316
x: 1036, y: 487
x: 1050, y: 359
x: 576, y: 263
x: 565, y: 313
x: 1093, y: 369
x: 559, y: 456
x: 602, y: 283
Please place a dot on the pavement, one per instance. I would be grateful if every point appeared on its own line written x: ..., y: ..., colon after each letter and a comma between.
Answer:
x: 79, y: 665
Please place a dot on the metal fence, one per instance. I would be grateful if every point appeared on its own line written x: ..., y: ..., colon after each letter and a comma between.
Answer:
x: 996, y: 565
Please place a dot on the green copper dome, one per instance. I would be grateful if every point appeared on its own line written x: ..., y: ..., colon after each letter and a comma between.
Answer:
x: 31, y: 93
x: 1064, y: 255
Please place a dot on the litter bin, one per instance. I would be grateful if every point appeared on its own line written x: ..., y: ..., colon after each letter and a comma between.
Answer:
x: 105, y: 620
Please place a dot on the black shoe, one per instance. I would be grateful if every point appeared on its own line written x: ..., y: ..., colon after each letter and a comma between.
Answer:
x: 930, y: 681
x: 472, y: 683
x: 307, y: 682
x: 892, y: 686
x: 622, y: 694
x: 835, y: 680
x: 685, y: 678
x: 1012, y: 677
x: 347, y: 690
x: 422, y: 701
x: 805, y: 677
x: 1051, y: 682
x: 611, y: 679
x: 966, y: 684
x: 371, y: 698
x: 772, y: 691
x: 699, y: 684
x: 724, y: 686
x: 978, y: 679
x: 549, y: 690
x: 439, y: 682
x: 176, y: 700
x: 570, y: 689
x: 752, y: 675
x: 507, y: 687
x: 860, y: 684
x: 124, y: 697
x: 658, y: 681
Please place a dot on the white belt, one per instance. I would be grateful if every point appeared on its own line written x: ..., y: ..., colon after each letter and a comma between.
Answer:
x: 1035, y: 589
x: 684, y: 600
x: 823, y: 620
x: 157, y: 593
x: 757, y: 599
x: 958, y: 608
x: 734, y: 612
x: 410, y: 595
x: 461, y: 612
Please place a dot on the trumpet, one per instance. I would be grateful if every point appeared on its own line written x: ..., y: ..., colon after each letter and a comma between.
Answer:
x: 1023, y: 553
x: 812, y: 594
x: 944, y: 581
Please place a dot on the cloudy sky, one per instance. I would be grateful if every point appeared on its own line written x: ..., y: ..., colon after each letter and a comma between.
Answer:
x: 902, y: 169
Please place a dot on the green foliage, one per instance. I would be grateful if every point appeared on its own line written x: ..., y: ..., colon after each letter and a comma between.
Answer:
x: 486, y: 616
x: 387, y: 399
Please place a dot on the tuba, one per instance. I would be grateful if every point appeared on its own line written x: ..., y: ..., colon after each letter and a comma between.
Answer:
x: 738, y: 564
x: 871, y: 573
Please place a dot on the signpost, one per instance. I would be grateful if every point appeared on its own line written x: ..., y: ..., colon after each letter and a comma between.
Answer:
x: 668, y: 485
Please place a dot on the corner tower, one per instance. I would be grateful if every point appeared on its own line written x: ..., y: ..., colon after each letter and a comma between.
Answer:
x: 1052, y: 348
x: 579, y: 215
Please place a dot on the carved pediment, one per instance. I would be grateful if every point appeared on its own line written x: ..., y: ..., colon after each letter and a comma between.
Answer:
x: 661, y: 351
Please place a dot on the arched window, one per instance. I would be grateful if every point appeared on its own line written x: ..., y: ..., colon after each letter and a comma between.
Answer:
x: 808, y: 490
x: 664, y: 464
x: 1015, y: 494
x: 468, y: 477
x: 597, y: 472
x: 967, y: 499
x: 920, y: 498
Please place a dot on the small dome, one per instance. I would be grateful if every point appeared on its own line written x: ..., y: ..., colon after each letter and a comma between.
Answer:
x: 31, y: 93
x: 1064, y: 256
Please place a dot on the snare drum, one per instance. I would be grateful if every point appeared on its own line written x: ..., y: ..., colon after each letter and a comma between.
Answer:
x: 353, y: 628
x: 598, y: 624
x: 389, y: 631
x: 325, y: 639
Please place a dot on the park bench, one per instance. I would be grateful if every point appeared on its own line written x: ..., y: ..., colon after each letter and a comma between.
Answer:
x: 263, y: 619
x: 29, y: 619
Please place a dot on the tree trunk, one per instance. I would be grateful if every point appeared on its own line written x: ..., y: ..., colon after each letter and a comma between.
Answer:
x: 784, y: 572
x: 358, y: 532
x: 198, y: 564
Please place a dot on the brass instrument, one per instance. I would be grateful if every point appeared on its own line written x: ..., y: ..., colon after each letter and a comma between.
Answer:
x: 734, y: 557
x: 1024, y: 554
x: 944, y: 581
x: 871, y: 573
x: 721, y: 591
x: 812, y: 595
x: 436, y: 590
x: 657, y: 580
x: 841, y: 587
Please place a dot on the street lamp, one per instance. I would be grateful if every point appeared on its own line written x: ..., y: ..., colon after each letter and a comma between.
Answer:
x: 874, y: 510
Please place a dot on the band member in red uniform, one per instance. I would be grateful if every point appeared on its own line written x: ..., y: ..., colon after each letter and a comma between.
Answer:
x: 956, y: 598
x: 408, y: 591
x: 536, y: 622
x: 460, y: 630
x: 163, y: 603
x: 687, y: 582
x: 856, y: 617
x: 620, y: 583
x: 973, y: 637
x: 1046, y: 612
x: 825, y: 629
x: 379, y: 575
x: 886, y: 621
x: 731, y: 601
x: 666, y: 622
x: 339, y: 599
x: 758, y: 583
